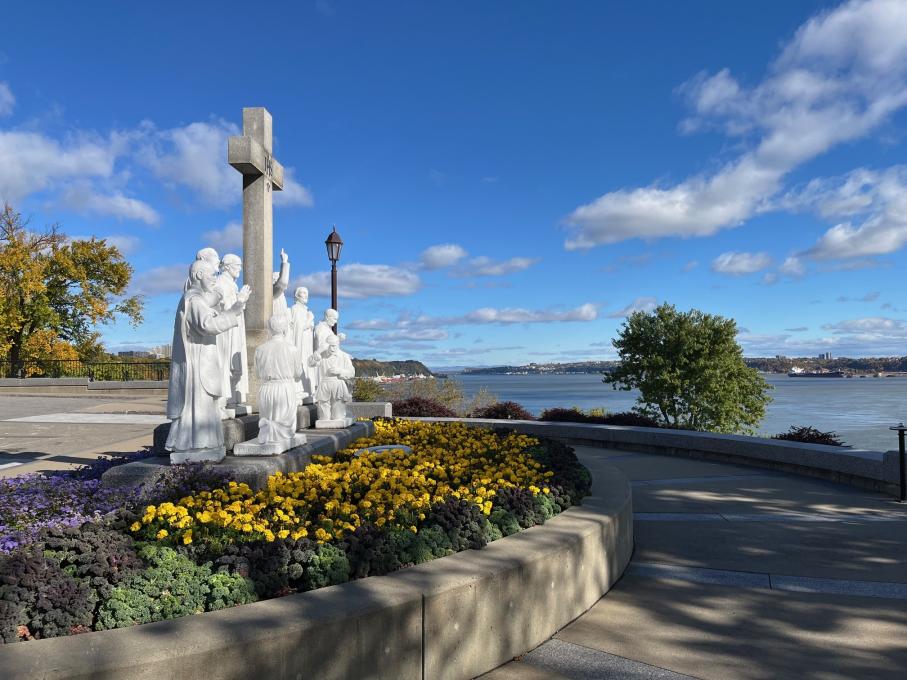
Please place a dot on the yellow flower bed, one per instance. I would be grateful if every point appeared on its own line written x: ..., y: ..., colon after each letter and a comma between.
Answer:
x: 331, y: 497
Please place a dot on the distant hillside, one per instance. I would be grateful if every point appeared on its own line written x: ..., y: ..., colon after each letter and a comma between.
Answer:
x: 537, y: 369
x: 370, y: 368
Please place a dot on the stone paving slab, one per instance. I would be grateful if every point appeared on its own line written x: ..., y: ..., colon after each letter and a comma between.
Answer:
x: 94, y: 418
x: 653, y: 466
x: 722, y: 633
x: 517, y: 670
x: 866, y: 551
x: 769, y: 492
x: 583, y: 663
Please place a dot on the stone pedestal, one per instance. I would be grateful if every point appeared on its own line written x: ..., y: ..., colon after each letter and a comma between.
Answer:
x: 198, y: 456
x: 333, y: 424
x: 253, y: 448
x: 306, y: 415
x: 236, y: 430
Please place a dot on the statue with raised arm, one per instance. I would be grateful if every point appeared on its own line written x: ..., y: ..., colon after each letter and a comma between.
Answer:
x: 302, y: 325
x: 196, y: 373
x: 281, y: 280
x: 232, y: 343
x: 332, y: 394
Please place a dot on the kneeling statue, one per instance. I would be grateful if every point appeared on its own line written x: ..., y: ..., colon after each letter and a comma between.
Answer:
x: 279, y: 366
x: 332, y: 395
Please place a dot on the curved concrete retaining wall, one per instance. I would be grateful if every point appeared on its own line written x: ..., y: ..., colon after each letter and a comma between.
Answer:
x: 456, y: 617
x: 876, y: 470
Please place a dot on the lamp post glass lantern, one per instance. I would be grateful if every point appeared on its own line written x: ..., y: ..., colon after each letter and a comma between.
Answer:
x: 334, y: 244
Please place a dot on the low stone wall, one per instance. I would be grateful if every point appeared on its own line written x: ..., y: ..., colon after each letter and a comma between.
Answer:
x: 456, y: 617
x: 82, y: 386
x: 876, y: 470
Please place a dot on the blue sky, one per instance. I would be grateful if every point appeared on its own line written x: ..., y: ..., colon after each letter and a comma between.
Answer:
x: 509, y: 178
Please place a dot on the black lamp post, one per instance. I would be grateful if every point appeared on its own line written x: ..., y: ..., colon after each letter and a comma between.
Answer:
x: 334, y: 243
x: 902, y: 460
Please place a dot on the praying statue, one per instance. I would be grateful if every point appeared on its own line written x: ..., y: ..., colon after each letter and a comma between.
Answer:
x: 279, y: 366
x: 302, y: 324
x: 281, y: 280
x: 196, y: 373
x: 332, y: 394
x: 232, y: 343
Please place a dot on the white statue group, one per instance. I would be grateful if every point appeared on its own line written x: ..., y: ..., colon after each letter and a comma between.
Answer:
x: 209, y: 369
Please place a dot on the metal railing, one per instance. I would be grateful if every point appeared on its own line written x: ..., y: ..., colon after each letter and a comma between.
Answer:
x: 93, y: 370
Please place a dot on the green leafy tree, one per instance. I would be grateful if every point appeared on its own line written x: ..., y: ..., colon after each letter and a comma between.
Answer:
x: 689, y: 371
x: 55, y: 291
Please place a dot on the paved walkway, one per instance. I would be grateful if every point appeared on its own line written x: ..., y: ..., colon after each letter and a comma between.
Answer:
x: 742, y: 573
x: 39, y: 433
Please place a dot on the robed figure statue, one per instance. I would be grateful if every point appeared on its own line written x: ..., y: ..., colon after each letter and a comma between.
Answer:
x: 196, y: 373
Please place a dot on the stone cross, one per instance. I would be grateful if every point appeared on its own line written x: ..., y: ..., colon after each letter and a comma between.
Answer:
x: 261, y: 175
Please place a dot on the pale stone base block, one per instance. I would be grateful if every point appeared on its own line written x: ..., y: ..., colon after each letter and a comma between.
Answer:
x: 306, y: 415
x: 253, y: 448
x: 227, y: 413
x: 333, y: 424
x: 214, y: 455
x: 240, y: 409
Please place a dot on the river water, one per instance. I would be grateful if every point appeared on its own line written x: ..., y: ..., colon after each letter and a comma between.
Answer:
x: 860, y: 410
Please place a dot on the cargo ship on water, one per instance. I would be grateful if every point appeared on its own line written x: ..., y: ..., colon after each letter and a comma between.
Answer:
x: 797, y: 372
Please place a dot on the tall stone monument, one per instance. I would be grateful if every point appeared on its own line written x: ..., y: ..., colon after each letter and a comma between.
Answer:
x: 251, y: 154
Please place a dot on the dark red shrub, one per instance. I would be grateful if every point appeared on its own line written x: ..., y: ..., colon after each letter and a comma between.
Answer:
x: 572, y: 415
x: 418, y: 406
x: 502, y: 410
x: 810, y: 435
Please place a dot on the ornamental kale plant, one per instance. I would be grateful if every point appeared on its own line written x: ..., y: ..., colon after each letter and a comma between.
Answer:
x: 29, y: 503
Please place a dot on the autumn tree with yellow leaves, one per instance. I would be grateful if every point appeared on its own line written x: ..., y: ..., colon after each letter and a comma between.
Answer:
x: 55, y: 291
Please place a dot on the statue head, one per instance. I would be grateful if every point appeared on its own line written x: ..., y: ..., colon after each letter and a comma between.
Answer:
x: 302, y: 294
x: 333, y: 344
x: 201, y: 275
x: 332, y: 316
x: 278, y: 324
x: 232, y: 265
x: 208, y: 255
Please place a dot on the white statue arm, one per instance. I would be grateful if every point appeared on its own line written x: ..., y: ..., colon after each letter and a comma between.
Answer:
x: 283, y: 281
x: 207, y: 320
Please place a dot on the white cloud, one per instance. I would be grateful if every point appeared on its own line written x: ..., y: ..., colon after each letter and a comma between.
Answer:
x: 843, y: 74
x: 124, y: 243
x: 510, y: 315
x: 485, y: 266
x: 738, y: 264
x: 32, y: 161
x: 792, y: 266
x: 640, y: 304
x: 194, y: 156
x: 442, y: 255
x: 293, y: 192
x: 482, y: 316
x: 691, y: 265
x: 161, y: 280
x: 226, y: 240
x: 873, y: 324
x: 83, y: 198
x: 872, y: 207
x: 7, y: 100
x: 360, y: 281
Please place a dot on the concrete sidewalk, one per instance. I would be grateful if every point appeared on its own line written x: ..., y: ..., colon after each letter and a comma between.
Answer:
x: 41, y: 433
x: 742, y: 573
